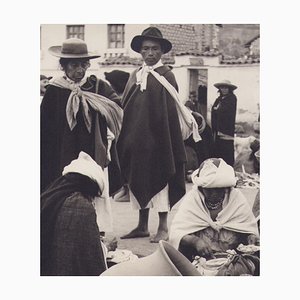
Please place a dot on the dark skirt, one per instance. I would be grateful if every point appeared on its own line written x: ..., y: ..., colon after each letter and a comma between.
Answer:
x: 224, y: 149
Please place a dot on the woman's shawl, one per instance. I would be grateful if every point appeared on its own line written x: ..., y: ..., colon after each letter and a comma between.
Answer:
x: 52, y: 201
x: 193, y: 216
x: 109, y: 109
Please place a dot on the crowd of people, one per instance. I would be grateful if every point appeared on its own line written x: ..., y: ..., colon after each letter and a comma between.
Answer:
x: 132, y: 133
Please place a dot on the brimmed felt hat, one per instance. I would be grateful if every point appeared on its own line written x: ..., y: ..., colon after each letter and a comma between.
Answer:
x: 72, y: 48
x: 151, y: 33
x: 225, y: 83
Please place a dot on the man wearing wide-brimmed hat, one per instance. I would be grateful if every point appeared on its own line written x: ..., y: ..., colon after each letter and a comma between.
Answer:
x: 223, y: 115
x: 150, y: 147
x: 78, y: 113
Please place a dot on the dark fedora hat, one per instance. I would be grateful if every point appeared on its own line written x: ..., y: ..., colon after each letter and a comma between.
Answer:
x: 150, y: 33
x: 72, y: 48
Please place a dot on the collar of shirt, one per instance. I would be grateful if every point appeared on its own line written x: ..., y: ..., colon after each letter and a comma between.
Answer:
x: 142, y: 74
x: 76, y: 84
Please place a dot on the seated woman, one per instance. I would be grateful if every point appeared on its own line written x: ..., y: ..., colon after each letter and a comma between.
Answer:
x: 214, y: 216
x: 70, y: 238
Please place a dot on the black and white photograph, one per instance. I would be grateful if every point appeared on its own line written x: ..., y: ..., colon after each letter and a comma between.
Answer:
x: 159, y: 156
x: 150, y: 149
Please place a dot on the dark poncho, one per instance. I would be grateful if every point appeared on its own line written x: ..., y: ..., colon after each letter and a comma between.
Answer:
x: 223, y: 114
x: 60, y: 145
x: 150, y: 145
x: 70, y: 240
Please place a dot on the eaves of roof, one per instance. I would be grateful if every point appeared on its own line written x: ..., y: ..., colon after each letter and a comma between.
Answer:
x: 240, y: 61
x: 252, y: 40
x: 198, y: 53
x: 122, y: 60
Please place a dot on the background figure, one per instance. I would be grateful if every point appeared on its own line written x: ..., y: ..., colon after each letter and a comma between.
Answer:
x: 118, y: 80
x: 192, y: 103
x: 79, y: 113
x: 246, y: 161
x: 202, y: 100
x: 153, y: 166
x: 44, y: 82
x: 70, y: 239
x: 223, y: 115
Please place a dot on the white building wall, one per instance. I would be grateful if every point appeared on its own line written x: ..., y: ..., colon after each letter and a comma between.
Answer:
x: 182, y: 79
x: 55, y: 35
x: 131, y: 30
x: 96, y: 39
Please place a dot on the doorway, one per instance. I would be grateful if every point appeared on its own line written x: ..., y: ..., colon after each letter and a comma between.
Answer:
x: 198, y: 84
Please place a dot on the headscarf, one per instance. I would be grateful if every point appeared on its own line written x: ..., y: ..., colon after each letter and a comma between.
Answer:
x: 214, y: 173
x: 85, y: 165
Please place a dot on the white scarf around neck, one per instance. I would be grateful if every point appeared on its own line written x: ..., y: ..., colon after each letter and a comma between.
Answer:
x: 187, y: 122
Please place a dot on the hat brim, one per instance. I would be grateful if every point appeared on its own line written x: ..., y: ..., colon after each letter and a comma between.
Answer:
x: 56, y: 51
x: 232, y: 86
x: 137, y: 41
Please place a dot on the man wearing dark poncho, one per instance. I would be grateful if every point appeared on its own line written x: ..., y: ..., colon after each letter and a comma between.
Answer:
x: 150, y: 146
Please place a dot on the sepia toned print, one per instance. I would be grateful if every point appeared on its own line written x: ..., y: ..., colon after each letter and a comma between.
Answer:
x: 170, y: 114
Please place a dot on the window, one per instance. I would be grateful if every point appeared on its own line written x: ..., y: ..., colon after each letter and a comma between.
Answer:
x: 75, y: 31
x: 116, y: 35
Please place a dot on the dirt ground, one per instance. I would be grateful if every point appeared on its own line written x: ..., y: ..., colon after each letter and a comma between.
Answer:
x: 125, y: 219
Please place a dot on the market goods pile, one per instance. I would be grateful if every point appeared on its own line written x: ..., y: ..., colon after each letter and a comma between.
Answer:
x: 245, y: 180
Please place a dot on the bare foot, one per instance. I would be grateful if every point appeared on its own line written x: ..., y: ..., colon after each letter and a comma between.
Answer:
x: 160, y: 235
x: 135, y: 233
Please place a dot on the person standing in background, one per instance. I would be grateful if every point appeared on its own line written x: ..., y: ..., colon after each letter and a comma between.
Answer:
x: 223, y: 115
x: 192, y: 103
x: 44, y: 82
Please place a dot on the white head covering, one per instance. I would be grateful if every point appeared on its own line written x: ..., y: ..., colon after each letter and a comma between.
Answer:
x: 212, y: 176
x: 85, y: 165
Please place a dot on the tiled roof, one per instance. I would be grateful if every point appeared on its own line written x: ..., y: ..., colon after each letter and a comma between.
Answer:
x: 239, y: 61
x: 169, y: 59
x: 197, y: 52
x: 126, y: 60
x: 122, y: 60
